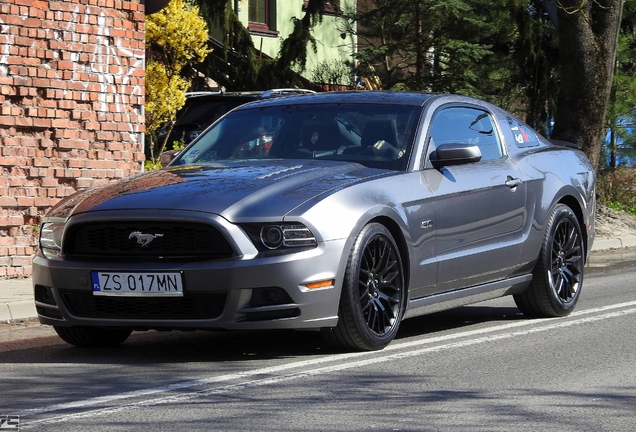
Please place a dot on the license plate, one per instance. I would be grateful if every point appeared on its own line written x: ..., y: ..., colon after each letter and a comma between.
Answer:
x: 137, y: 284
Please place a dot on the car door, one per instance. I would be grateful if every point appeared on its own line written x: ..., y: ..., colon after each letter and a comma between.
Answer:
x: 479, y: 208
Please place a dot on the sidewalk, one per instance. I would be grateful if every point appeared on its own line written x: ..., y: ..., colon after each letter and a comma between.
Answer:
x: 16, y: 295
x: 16, y: 299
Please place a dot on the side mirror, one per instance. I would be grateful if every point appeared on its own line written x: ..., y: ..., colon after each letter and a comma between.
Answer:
x: 454, y: 154
x: 168, y: 156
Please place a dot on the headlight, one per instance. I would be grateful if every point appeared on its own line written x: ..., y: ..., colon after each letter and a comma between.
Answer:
x: 282, y: 237
x: 276, y: 236
x: 51, y: 237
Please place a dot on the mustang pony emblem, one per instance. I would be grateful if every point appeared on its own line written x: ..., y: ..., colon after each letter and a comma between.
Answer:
x: 143, y: 239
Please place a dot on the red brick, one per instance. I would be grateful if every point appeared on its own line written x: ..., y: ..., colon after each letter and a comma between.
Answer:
x: 11, y: 141
x: 76, y: 163
x: 83, y: 183
x: 20, y: 261
x: 22, y: 80
x: 11, y: 221
x: 13, y: 161
x: 42, y: 123
x: 42, y: 162
x: 73, y: 144
x: 6, y: 241
x: 63, y: 104
x: 48, y: 103
x: 65, y: 133
x: 28, y: 141
x: 109, y: 126
x: 7, y: 90
x: 60, y: 123
x: 7, y: 201
x: 23, y: 122
x: 50, y: 182
x: 46, y: 142
x: 59, y: 84
x: 42, y: 82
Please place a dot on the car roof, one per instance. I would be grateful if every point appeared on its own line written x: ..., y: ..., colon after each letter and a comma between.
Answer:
x: 373, y: 97
x: 239, y: 95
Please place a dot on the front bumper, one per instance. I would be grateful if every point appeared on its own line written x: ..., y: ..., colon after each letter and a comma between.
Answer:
x: 238, y: 293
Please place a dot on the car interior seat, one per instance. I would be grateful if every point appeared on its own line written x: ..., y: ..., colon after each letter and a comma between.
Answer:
x: 321, y: 134
x: 379, y: 129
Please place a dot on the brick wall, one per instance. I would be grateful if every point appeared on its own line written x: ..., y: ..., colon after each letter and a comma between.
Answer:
x: 71, y: 116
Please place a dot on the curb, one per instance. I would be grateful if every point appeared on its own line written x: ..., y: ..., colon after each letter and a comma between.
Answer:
x: 16, y: 311
x: 613, y: 243
x: 16, y: 300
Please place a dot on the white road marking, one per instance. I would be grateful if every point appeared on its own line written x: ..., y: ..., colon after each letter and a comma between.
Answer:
x: 342, y: 362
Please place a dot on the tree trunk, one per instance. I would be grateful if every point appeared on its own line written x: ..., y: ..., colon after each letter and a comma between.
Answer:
x: 419, y: 55
x: 588, y: 34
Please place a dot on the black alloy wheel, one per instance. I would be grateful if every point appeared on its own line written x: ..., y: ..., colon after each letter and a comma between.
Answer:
x: 558, y: 274
x: 566, y: 270
x: 373, y: 295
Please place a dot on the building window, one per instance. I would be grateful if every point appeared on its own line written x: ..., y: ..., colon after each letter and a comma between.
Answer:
x: 258, y: 11
x: 262, y: 17
x: 329, y: 7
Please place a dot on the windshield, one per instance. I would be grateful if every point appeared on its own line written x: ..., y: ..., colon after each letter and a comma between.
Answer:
x: 377, y: 136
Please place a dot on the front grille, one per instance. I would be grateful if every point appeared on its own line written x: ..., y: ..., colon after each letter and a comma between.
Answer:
x: 141, y: 239
x: 203, y: 306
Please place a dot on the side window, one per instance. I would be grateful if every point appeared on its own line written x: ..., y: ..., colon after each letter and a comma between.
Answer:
x: 470, y: 126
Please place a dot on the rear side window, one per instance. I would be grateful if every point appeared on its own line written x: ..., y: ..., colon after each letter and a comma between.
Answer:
x: 523, y: 135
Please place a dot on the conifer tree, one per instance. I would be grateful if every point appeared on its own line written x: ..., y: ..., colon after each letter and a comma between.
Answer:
x: 456, y: 46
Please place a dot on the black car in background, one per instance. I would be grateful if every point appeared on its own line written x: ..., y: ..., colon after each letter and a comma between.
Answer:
x: 204, y: 108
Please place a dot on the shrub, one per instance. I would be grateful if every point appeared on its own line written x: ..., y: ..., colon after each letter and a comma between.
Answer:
x: 617, y: 188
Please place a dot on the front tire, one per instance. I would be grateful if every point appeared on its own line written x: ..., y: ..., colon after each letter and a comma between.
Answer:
x: 92, y: 336
x: 373, y: 297
x: 558, y: 275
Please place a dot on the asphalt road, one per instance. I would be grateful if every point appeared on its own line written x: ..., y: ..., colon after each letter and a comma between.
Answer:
x: 478, y: 368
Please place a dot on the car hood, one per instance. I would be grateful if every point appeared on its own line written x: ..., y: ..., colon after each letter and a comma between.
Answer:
x: 235, y: 190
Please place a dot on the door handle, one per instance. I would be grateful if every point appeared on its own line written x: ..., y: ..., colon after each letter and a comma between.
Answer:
x: 512, y: 182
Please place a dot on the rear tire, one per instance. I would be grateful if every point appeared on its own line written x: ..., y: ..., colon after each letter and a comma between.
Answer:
x: 92, y: 336
x: 373, y: 297
x: 558, y: 275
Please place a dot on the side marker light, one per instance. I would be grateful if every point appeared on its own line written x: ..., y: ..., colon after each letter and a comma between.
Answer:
x: 321, y: 284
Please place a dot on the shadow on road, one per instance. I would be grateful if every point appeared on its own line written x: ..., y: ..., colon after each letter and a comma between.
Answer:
x: 221, y: 346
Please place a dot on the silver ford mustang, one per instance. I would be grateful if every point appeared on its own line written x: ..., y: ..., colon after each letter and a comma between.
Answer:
x: 338, y: 212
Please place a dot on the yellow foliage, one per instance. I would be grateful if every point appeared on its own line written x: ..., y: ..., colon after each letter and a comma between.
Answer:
x: 165, y: 94
x: 180, y: 36
x: 181, y: 32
